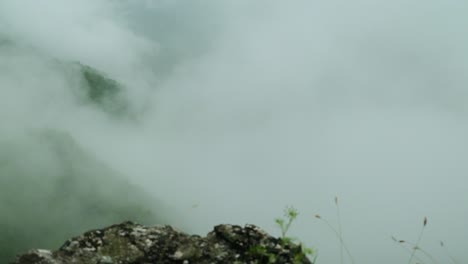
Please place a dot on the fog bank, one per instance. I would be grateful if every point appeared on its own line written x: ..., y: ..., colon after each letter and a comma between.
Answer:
x: 228, y: 111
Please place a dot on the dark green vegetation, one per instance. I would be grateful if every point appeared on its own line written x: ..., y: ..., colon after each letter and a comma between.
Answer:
x: 51, y: 189
x: 103, y: 92
x: 90, y: 87
x: 284, y: 224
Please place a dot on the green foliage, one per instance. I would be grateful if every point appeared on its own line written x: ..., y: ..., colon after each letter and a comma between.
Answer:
x: 284, y: 224
x: 290, y: 214
x: 51, y: 189
x: 300, y: 252
x: 103, y: 92
x: 261, y: 252
x: 99, y: 86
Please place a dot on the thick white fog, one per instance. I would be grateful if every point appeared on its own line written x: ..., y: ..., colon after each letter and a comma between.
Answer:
x: 235, y: 109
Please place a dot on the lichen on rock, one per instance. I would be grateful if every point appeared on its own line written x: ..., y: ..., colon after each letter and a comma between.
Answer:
x: 131, y: 243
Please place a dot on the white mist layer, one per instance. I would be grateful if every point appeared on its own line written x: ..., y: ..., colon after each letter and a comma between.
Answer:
x: 245, y: 108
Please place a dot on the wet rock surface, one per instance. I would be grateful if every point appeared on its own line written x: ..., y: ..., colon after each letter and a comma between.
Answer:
x: 131, y: 243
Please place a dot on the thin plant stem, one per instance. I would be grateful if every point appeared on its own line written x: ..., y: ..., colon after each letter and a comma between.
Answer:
x: 338, y: 236
x: 340, y: 230
x: 401, y: 243
x: 448, y: 253
x: 416, y: 246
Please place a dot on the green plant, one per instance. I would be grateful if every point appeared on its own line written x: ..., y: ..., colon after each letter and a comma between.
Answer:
x: 261, y: 251
x: 290, y: 214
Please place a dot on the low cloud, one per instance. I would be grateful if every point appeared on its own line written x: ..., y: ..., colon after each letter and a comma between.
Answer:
x: 234, y: 110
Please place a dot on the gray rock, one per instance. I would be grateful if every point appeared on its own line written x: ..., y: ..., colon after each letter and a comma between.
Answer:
x: 131, y: 243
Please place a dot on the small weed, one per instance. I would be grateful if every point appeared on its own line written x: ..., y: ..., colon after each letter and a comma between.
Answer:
x: 416, y: 254
x: 410, y: 247
x: 261, y: 251
x: 414, y: 248
x: 290, y: 214
x: 338, y: 233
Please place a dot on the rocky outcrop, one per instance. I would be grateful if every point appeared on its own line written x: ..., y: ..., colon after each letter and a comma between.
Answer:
x: 131, y: 243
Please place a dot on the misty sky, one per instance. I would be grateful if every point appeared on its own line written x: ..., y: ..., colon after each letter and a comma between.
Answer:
x: 239, y: 108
